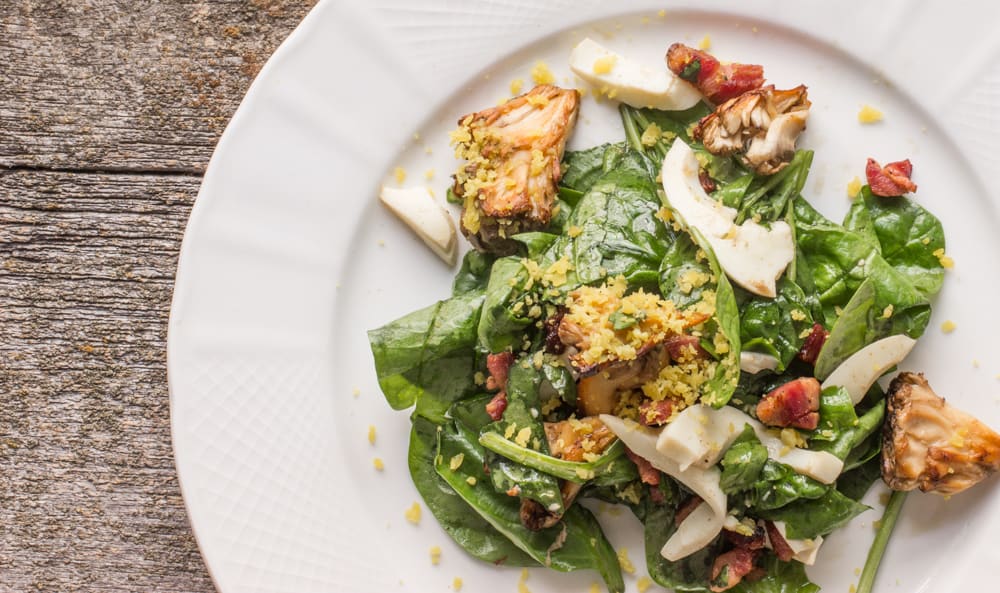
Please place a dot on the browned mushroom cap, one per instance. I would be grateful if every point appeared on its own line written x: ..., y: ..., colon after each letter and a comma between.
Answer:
x: 599, y: 392
x: 513, y: 153
x: 762, y: 125
x: 930, y: 445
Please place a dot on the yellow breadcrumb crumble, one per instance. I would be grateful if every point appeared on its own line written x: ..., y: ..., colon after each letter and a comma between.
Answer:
x: 624, y: 561
x: 435, y: 555
x: 516, y: 85
x: 869, y: 115
x: 854, y: 188
x: 591, y: 308
x: 706, y: 43
x: 400, y: 174
x: 371, y: 434
x: 541, y: 74
x: 378, y: 463
x: 948, y: 326
x: 412, y: 514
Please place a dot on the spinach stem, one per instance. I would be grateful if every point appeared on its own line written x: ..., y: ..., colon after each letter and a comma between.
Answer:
x: 632, y: 133
x: 867, y: 580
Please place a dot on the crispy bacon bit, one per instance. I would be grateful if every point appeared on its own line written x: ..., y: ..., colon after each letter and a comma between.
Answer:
x: 683, y: 348
x: 496, y: 406
x: 795, y: 403
x: 498, y: 365
x: 780, y: 546
x: 719, y: 82
x: 891, y: 180
x: 813, y: 344
x: 686, y: 508
x: 730, y: 568
x: 707, y: 183
x: 647, y: 473
x: 656, y: 495
x: 655, y: 413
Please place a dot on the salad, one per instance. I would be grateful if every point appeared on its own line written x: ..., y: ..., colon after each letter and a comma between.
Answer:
x: 666, y: 323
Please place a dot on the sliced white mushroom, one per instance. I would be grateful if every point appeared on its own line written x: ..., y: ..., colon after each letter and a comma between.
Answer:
x: 706, y: 521
x: 416, y: 207
x: 755, y: 362
x: 700, y: 435
x: 631, y: 82
x: 864, y: 367
x: 752, y: 255
x: 805, y: 550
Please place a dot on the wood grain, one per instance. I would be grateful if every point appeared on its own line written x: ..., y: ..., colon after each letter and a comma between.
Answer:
x: 109, y: 111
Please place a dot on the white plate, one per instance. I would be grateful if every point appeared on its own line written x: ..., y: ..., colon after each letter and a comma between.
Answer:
x: 288, y: 259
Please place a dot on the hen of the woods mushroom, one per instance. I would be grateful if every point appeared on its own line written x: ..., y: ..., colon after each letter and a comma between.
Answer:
x: 666, y: 323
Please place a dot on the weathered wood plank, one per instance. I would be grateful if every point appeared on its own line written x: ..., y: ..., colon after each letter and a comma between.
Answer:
x: 89, y: 499
x: 125, y: 85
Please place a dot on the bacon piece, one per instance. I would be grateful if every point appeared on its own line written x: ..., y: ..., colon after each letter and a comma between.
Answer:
x: 498, y: 365
x: 496, y: 406
x: 813, y: 344
x: 891, y: 180
x: 655, y: 413
x: 780, y: 546
x: 730, y: 568
x: 647, y: 473
x: 684, y: 347
x: 686, y: 508
x: 719, y: 82
x: 795, y: 403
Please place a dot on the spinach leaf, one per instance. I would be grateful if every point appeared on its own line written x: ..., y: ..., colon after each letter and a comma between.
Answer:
x: 620, y: 233
x: 536, y: 243
x: 717, y: 390
x: 840, y: 430
x: 775, y: 326
x: 457, y: 518
x: 908, y: 236
x: 679, y: 267
x: 584, y: 545
x: 470, y: 412
x: 743, y: 462
x: 574, y: 471
x: 520, y: 422
x: 806, y: 519
x: 582, y: 168
x: 840, y: 262
x: 780, y: 486
x: 474, y: 273
x: 767, y: 200
x: 499, y: 327
x: 430, y: 351
x: 884, y: 305
x: 854, y: 484
x: 558, y: 382
x: 690, y: 573
x: 780, y: 577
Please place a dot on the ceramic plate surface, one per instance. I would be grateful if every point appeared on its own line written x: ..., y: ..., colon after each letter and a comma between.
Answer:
x: 288, y: 259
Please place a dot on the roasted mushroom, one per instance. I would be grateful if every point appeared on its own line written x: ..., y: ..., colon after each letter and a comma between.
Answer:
x: 572, y: 440
x: 762, y: 125
x: 930, y: 445
x: 616, y: 342
x: 513, y: 153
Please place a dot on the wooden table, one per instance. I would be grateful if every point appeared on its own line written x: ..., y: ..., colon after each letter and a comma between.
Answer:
x: 109, y: 111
